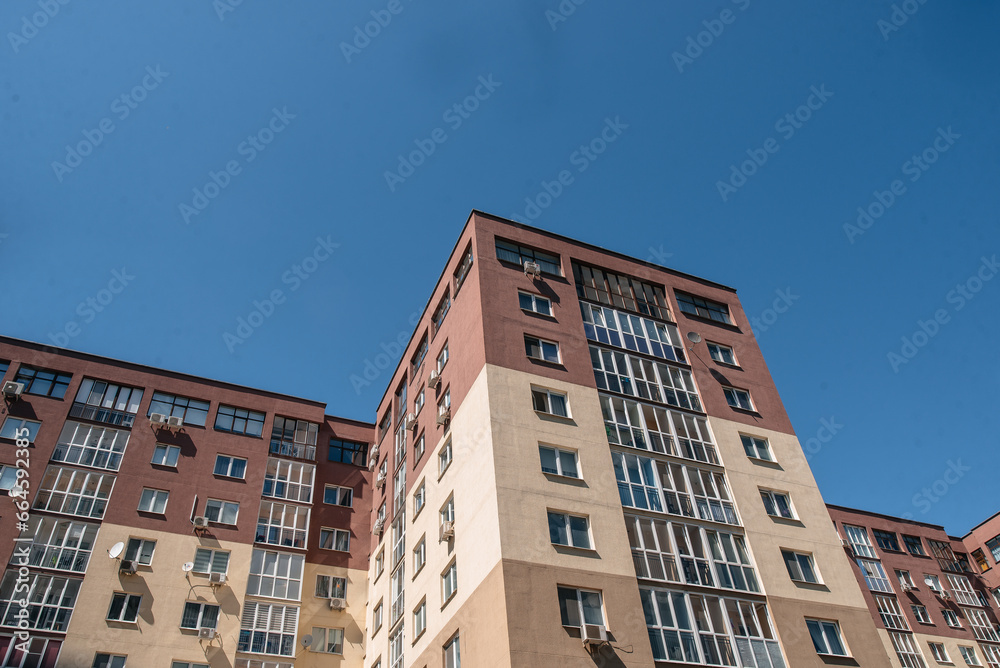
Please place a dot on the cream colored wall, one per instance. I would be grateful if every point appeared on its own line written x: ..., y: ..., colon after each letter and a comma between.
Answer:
x: 156, y: 638
x: 316, y: 612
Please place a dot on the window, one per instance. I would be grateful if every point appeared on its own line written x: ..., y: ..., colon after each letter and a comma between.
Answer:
x: 191, y: 411
x: 891, y: 615
x: 580, y: 606
x: 328, y: 586
x: 826, y: 637
x: 231, y: 467
x: 886, y: 540
x: 444, y: 405
x: 81, y: 493
x: 282, y: 524
x: 652, y: 551
x: 397, y: 590
x: 687, y: 489
x: 962, y: 590
x: 419, y: 498
x: 384, y: 424
x: 348, y: 452
x: 377, y: 617
x: 12, y: 426
x: 187, y: 664
x: 396, y: 648
x: 624, y: 330
x: 732, y: 561
x: 945, y: 556
x: 646, y: 427
x: 400, y: 439
x: 517, y: 254
x: 43, y: 382
x: 777, y: 504
x: 328, y: 641
x: 418, y: 447
x: 275, y: 575
x: 124, y: 607
x: 399, y: 401
x: 222, y: 512
x: 90, y: 445
x: 449, y: 582
x: 992, y: 653
x: 418, y: 401
x: 4, y: 365
x: 199, y: 615
x: 442, y: 358
x: 704, y: 308
x: 210, y: 561
x: 858, y: 538
x: 547, y: 401
x: 907, y: 651
x: 462, y: 270
x: 338, y: 496
x: 757, y: 448
x: 140, y: 551
x: 921, y: 614
x: 418, y: 356
x: 50, y: 600
x: 539, y: 349
x: 534, y: 303
x: 738, y: 398
x: 914, y: 545
x: 335, y: 539
x: 933, y: 582
x: 452, y: 655
x: 109, y: 661
x: 165, y: 455
x: 969, y: 654
x: 294, y: 438
x: 556, y: 461
x: 440, y: 311
x: 621, y: 291
x: 419, y: 555
x: 444, y: 457
x: 289, y: 480
x: 420, y: 619
x: 106, y: 402
x: 800, y: 567
x: 951, y: 619
x: 904, y: 578
x: 644, y: 378
x: 8, y: 477
x: 721, y: 353
x: 267, y: 628
x: 239, y: 421
x: 637, y: 486
x: 447, y: 512
x: 569, y: 530
x: 379, y: 563
x: 993, y: 545
x: 980, y: 625
x: 980, y: 560
x: 875, y: 576
x: 59, y: 544
x: 938, y: 652
x: 153, y: 501
x: 399, y: 489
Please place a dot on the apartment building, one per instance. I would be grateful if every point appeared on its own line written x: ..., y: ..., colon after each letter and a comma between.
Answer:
x: 983, y: 544
x: 582, y: 460
x: 931, y: 606
x: 172, y: 521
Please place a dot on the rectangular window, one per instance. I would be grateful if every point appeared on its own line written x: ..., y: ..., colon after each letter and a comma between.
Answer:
x: 858, y: 538
x: 267, y: 628
x: 153, y: 501
x: 637, y: 484
x: 539, y: 349
x: 420, y: 619
x: 914, y: 545
x: 462, y: 270
x: 124, y: 607
x: 241, y: 421
x: 440, y: 311
x: 328, y: 586
x: 687, y: 489
x: 12, y: 426
x: 166, y: 455
x: 452, y: 655
x: 891, y: 615
x: 8, y: 477
x: 442, y: 358
x: 980, y: 625
x: 945, y: 556
x: 101, y: 401
x: 722, y: 354
x: 980, y: 560
x: 418, y: 401
x: 222, y: 512
x: 549, y: 402
x: 379, y: 563
x: 569, y: 530
x: 72, y: 492
x: 399, y: 401
x: 646, y: 427
x: 921, y: 614
x: 904, y: 578
x: 644, y: 379
x: 693, y: 553
x: 335, y: 539
x: 398, y: 594
x: 338, y: 496
x: 294, y: 438
x: 418, y: 356
x: 969, y: 654
x: 90, y: 445
x: 732, y: 561
x: 419, y: 498
x: 757, y: 448
x: 210, y: 561
x: 348, y: 452
x: 580, y: 606
x: 376, y: 617
x: 444, y: 457
x: 992, y: 654
x: 777, y: 504
x: 447, y: 512
x: 282, y: 524
x: 43, y: 382
x: 188, y: 664
x: 58, y: 544
x: 449, y: 582
x: 738, y: 398
x: 399, y: 489
x: 418, y: 448
x: 400, y: 457
x: 109, y: 661
x: 620, y: 291
x: 632, y: 332
x: 396, y: 648
x: 826, y: 637
x: 652, y: 550
x: 50, y: 600
x: 289, y: 480
x: 420, y: 555
x: 907, y: 651
x: 993, y: 545
x: 938, y: 652
x: 231, y: 467
x: 534, y: 303
x: 875, y: 576
x: 703, y: 308
x: 962, y: 590
x: 951, y: 619
x: 384, y: 424
x: 514, y: 253
x: 140, y: 551
x: 556, y: 461
x: 327, y: 641
x: 275, y: 575
x: 800, y: 567
x: 191, y: 411
x: 886, y: 540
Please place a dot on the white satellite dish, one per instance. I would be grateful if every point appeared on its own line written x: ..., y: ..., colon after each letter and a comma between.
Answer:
x: 187, y: 566
x: 694, y: 337
x: 307, y: 640
x: 116, y: 550
x: 929, y: 581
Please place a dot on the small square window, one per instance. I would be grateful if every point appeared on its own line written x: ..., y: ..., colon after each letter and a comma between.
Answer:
x: 153, y: 501
x: 124, y: 607
x: 329, y: 586
x: 757, y: 448
x: 534, y: 303
x: 800, y: 567
x: 826, y: 637
x: 338, y: 496
x: 210, y: 561
x: 920, y: 613
x: 327, y: 641
x: 777, y: 504
x: 939, y: 653
x: 549, y: 402
x: 335, y: 539
x: 569, y: 530
x: 222, y: 512
x: 166, y: 455
x: 738, y: 398
x: 542, y: 350
x: 231, y: 467
x: 722, y: 354
x: 556, y: 461
x: 140, y: 551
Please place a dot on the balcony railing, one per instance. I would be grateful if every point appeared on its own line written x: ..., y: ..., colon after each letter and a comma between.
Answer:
x: 100, y: 414
x: 297, y: 450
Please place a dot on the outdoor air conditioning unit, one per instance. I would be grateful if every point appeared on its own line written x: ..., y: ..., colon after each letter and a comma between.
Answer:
x: 943, y: 594
x: 157, y: 419
x: 434, y: 379
x: 532, y: 269
x: 127, y: 566
x: 206, y: 633
x: 217, y: 578
x: 444, y: 415
x: 200, y: 521
x: 380, y: 480
x: 12, y: 391
x: 845, y: 543
x: 594, y: 634
x: 175, y: 422
x: 338, y: 603
x: 447, y: 530
x: 411, y: 421
x: 907, y: 588
x: 377, y: 529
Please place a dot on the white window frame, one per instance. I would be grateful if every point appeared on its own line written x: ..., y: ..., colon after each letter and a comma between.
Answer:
x: 445, y: 457
x: 229, y: 466
x: 59, y: 543
x: 875, y: 576
x: 567, y: 520
x: 760, y: 447
x: 798, y: 574
x: 939, y: 652
x: 202, y: 608
x: 859, y: 541
x: 109, y: 660
x: 377, y: 617
x: 970, y: 656
x: 222, y: 510
x: 321, y: 640
x: 735, y: 396
x: 341, y: 491
x: 153, y: 499
x: 419, y: 447
x: 420, y: 619
x: 920, y: 613
x: 949, y: 617
x: 545, y: 349
x: 126, y: 598
x: 50, y: 598
x: 890, y: 613
x: 290, y: 521
x: 453, y: 653
x: 980, y: 625
x: 643, y: 491
x: 287, y: 480
x: 547, y: 394
x: 962, y: 590
x: 271, y: 571
x: 904, y: 578
x: 721, y: 349
x: 141, y: 555
x: 167, y: 453
x: 449, y: 582
x: 270, y: 619
x: 418, y: 401
x: 336, y: 538
x: 212, y: 560
x: 533, y: 301
x: 826, y: 628
x: 419, y: 498
x: 91, y: 445
x: 771, y: 496
x: 442, y: 358
x: 447, y: 512
x: 557, y: 454
x: 330, y: 586
x: 13, y: 425
x: 581, y: 610
x: 420, y: 555
x: 907, y: 650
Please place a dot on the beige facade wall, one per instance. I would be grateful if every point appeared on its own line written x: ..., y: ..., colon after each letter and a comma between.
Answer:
x: 316, y: 612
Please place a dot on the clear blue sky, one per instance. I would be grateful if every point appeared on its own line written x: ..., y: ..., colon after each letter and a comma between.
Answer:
x: 338, y: 117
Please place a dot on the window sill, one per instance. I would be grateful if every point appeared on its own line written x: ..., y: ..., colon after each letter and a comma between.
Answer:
x: 449, y: 599
x: 789, y: 521
x: 528, y: 311
x: 755, y: 413
x: 561, y: 476
x: 565, y: 418
x: 418, y: 637
x: 557, y: 364
x: 574, y: 548
x: 728, y: 365
x: 236, y: 433
x: 709, y: 321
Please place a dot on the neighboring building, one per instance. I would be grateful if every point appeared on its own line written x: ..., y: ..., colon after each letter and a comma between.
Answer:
x: 577, y: 444
x: 983, y: 543
x: 930, y: 605
x: 238, y: 515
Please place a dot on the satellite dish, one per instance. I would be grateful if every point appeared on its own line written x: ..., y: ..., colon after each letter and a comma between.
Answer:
x: 694, y: 337
x: 187, y: 566
x: 929, y: 581
x: 307, y: 640
x: 116, y: 550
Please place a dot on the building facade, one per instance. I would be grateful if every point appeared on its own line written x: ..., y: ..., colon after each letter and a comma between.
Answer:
x: 159, y: 519
x: 931, y: 606
x: 983, y: 544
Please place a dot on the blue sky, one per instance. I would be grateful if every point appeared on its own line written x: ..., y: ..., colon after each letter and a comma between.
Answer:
x: 293, y: 118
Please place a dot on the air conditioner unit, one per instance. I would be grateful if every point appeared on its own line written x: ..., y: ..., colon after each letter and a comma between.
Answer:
x: 907, y: 588
x: 444, y: 415
x: 175, y: 421
x: 127, y: 566
x: 434, y: 379
x: 532, y: 269
x: 373, y: 459
x: 206, y: 633
x: 200, y: 521
x: 380, y: 480
x: 447, y: 530
x: 377, y: 528
x: 411, y: 421
x: 593, y: 634
x: 943, y: 594
x: 217, y: 578
x: 12, y: 390
x: 338, y: 603
x: 157, y: 418
x: 845, y: 543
